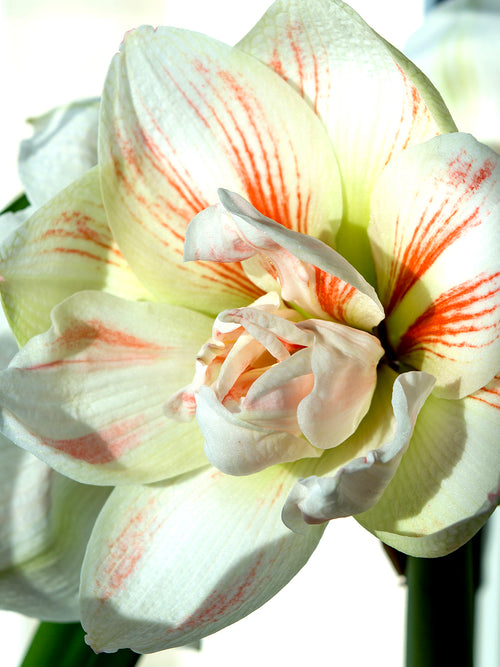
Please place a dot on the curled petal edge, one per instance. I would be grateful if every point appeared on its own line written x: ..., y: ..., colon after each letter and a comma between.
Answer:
x: 357, y: 486
x: 445, y: 541
x: 235, y: 230
x: 236, y: 447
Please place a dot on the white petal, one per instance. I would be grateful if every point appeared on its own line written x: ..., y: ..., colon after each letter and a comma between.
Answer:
x: 458, y: 48
x: 171, y: 563
x: 12, y: 220
x: 236, y: 446
x: 373, y: 102
x: 436, y: 243
x: 64, y: 247
x: 242, y: 128
x: 8, y: 346
x: 448, y: 482
x: 359, y: 484
x: 63, y: 147
x: 45, y: 523
x: 87, y: 397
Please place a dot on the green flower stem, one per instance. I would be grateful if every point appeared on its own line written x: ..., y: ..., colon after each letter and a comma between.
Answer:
x: 62, y: 644
x: 440, y: 612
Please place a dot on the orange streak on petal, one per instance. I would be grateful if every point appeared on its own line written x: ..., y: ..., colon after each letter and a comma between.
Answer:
x: 81, y: 253
x: 432, y: 235
x: 333, y: 294
x: 455, y: 313
x: 93, y: 330
x: 415, y: 118
x: 126, y: 551
x: 490, y: 394
x: 104, y: 446
x: 219, y: 604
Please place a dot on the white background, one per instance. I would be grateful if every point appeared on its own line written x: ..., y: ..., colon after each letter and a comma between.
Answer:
x: 347, y: 606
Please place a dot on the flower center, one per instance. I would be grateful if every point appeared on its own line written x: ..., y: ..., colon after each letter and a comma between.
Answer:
x: 272, y: 387
x: 390, y: 357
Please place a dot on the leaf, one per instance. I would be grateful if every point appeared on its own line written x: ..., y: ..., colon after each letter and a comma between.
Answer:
x: 63, y: 644
x: 17, y: 205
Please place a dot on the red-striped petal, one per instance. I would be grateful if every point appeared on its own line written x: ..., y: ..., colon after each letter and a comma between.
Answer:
x: 87, y: 396
x: 309, y: 273
x: 184, y: 115
x: 435, y: 237
x: 64, y: 247
x: 373, y: 102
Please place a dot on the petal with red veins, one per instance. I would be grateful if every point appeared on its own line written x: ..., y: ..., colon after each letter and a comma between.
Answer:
x: 372, y: 100
x: 359, y: 483
x: 87, y: 397
x: 42, y: 544
x: 435, y: 237
x: 229, y: 121
x: 307, y: 271
x: 217, y: 548
x: 448, y: 482
x: 64, y: 247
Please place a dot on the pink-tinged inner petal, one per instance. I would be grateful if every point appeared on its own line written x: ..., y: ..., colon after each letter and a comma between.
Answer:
x: 274, y: 405
x: 309, y: 273
x: 237, y: 446
x: 236, y: 373
x: 244, y: 342
x: 279, y: 380
x: 344, y: 363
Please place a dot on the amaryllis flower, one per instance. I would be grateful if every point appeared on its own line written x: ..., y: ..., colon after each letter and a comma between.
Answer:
x: 281, y: 296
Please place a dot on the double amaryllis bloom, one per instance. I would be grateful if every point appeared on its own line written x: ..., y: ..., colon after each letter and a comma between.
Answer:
x: 273, y: 302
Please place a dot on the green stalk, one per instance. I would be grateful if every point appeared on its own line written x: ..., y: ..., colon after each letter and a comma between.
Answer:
x: 63, y: 644
x: 17, y: 205
x: 440, y: 612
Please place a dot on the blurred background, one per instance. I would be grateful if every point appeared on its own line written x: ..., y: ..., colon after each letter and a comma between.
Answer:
x: 347, y: 606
